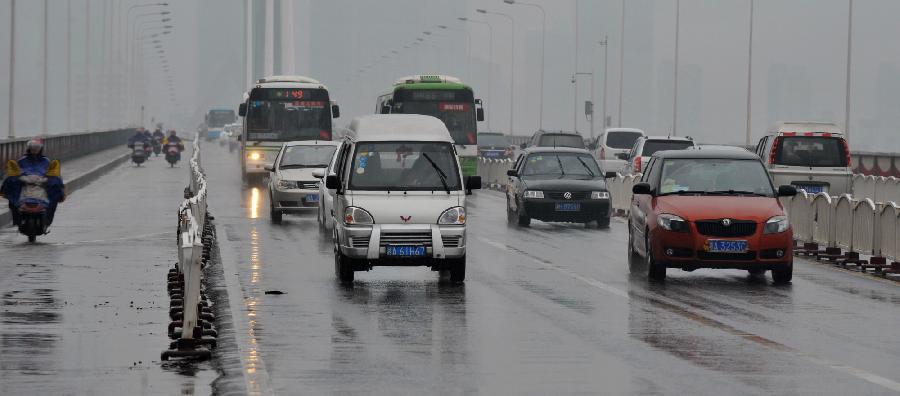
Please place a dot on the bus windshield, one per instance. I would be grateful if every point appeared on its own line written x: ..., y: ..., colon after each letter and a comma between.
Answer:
x: 219, y: 118
x: 283, y: 114
x: 455, y: 107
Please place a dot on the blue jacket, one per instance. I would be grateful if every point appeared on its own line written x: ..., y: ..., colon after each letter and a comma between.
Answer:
x: 138, y: 138
x: 33, y: 165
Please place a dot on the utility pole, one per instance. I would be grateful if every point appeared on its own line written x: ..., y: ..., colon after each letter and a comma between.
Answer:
x: 675, y: 85
x: 68, y: 66
x: 11, y: 130
x: 44, y: 71
x: 621, y: 61
x: 605, y: 44
x: 87, y: 66
x: 749, y: 74
x: 849, y: 53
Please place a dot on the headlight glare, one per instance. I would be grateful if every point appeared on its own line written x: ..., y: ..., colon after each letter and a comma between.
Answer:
x: 453, y: 216
x: 670, y: 222
x: 776, y: 224
x: 254, y: 156
x: 534, y: 194
x: 354, y: 215
x: 599, y: 195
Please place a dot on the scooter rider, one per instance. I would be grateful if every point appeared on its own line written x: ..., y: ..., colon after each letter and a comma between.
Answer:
x: 33, y: 163
x: 140, y: 136
x: 174, y: 139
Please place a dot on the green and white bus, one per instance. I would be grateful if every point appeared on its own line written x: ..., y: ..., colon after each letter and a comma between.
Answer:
x: 446, y: 98
x: 282, y: 109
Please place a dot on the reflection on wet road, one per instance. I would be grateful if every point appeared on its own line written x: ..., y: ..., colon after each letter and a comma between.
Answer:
x: 549, y: 309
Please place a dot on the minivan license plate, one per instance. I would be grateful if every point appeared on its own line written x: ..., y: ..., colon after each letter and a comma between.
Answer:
x: 721, y: 246
x: 312, y: 198
x: 404, y: 250
x: 810, y: 189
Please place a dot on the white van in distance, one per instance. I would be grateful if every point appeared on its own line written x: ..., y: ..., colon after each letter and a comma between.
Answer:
x: 400, y: 197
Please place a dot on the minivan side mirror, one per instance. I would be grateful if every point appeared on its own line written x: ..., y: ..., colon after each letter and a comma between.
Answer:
x: 641, y: 189
x: 335, y: 111
x: 622, y: 156
x: 473, y: 183
x: 610, y: 175
x: 787, y: 191
x: 242, y: 110
x: 512, y: 173
x: 318, y: 173
x: 332, y: 182
x: 269, y: 168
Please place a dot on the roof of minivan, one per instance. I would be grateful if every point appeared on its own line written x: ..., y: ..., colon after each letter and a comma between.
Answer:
x: 805, y: 126
x: 407, y: 127
x: 707, y: 153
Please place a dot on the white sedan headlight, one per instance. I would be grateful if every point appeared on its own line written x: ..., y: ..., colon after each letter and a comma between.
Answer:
x: 453, y: 216
x: 776, y: 224
x: 599, y: 195
x: 287, y: 184
x: 534, y: 194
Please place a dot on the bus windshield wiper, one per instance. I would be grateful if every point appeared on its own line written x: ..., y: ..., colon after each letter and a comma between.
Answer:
x: 440, y: 173
x: 584, y: 165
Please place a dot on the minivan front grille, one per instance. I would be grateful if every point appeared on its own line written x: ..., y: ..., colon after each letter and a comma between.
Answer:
x: 359, y: 241
x: 737, y: 228
x: 451, y: 241
x: 406, y: 238
x: 308, y: 185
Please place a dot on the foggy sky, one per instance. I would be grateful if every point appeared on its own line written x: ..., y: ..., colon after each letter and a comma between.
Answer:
x: 798, y: 68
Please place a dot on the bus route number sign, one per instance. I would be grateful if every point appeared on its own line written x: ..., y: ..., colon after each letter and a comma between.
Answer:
x: 455, y: 107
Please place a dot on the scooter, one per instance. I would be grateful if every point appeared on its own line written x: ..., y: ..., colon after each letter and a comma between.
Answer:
x: 173, y: 153
x: 33, y: 205
x: 148, y: 149
x: 139, y: 153
x: 157, y: 146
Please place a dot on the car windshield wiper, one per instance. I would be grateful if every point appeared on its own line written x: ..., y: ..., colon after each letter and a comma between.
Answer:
x: 585, y: 166
x: 736, y: 192
x: 440, y: 173
x: 685, y: 192
x: 561, y: 170
x: 295, y: 166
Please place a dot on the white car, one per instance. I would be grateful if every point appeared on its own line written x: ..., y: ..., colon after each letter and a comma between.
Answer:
x: 326, y: 195
x: 292, y: 186
x: 645, y: 146
x: 613, y: 145
x: 400, y: 197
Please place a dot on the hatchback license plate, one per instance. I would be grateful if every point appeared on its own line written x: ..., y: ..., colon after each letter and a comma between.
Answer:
x: 405, y: 250
x: 810, y: 189
x: 312, y: 198
x: 568, y: 206
x: 722, y: 246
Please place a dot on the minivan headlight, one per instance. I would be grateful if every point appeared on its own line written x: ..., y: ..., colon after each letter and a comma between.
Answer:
x: 599, y: 195
x: 534, y: 194
x: 670, y: 222
x: 255, y: 155
x: 776, y: 224
x: 453, y: 216
x: 354, y: 215
x: 287, y: 184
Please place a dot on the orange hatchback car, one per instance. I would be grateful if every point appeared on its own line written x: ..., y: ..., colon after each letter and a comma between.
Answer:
x: 709, y: 209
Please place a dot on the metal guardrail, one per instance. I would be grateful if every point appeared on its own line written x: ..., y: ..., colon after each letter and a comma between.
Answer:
x: 189, y: 308
x: 67, y: 146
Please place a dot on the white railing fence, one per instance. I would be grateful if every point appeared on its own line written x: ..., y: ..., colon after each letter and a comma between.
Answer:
x: 493, y: 171
x: 189, y: 308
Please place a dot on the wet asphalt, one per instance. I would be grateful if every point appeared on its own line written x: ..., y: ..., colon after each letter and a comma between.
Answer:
x: 550, y: 309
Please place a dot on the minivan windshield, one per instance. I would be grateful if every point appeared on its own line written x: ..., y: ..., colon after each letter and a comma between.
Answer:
x: 542, y: 165
x: 811, y: 151
x: 714, y: 176
x: 306, y: 156
x: 561, y: 140
x: 652, y: 146
x: 621, y: 139
x: 404, y: 166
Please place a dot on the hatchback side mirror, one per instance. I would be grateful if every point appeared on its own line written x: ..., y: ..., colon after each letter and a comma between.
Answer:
x: 332, y: 182
x: 610, y: 175
x: 787, y: 191
x: 641, y: 189
x: 512, y: 173
x: 318, y: 173
x: 242, y: 110
x: 473, y: 183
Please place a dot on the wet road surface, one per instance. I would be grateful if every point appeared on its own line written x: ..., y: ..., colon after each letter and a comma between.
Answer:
x: 547, y: 310
x: 84, y: 311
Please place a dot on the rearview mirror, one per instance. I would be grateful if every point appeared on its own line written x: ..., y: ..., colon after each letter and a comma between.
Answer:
x: 610, y: 175
x: 473, y: 183
x: 242, y: 110
x: 269, y: 168
x: 318, y: 173
x: 641, y: 189
x: 512, y: 173
x: 787, y: 191
x: 332, y: 182
x: 479, y: 114
x: 335, y: 111
x: 622, y: 156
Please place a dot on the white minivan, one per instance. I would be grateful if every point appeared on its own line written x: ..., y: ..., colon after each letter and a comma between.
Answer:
x: 400, y: 197
x: 811, y: 156
x: 612, y: 147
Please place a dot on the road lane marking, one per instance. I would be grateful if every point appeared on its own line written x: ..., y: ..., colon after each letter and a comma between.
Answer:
x: 696, y: 317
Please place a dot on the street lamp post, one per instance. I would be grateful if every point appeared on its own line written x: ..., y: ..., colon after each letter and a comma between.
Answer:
x: 849, y: 53
x: 490, y: 60
x: 749, y: 73
x: 575, y: 81
x: 68, y: 66
x: 543, y: 43
x: 605, y: 44
x: 512, y: 66
x: 11, y: 131
x: 468, y: 49
x: 44, y: 71
x: 675, y: 85
x: 621, y: 62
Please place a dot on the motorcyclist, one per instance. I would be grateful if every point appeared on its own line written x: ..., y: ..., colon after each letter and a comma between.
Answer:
x: 33, y: 163
x: 158, y: 134
x: 140, y: 136
x: 174, y: 139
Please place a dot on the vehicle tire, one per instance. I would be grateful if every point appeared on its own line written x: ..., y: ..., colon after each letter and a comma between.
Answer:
x: 655, y: 270
x: 32, y: 238
x: 603, y: 222
x: 343, y: 269
x: 635, y: 263
x: 275, y: 215
x: 783, y: 276
x: 523, y: 219
x: 756, y: 271
x: 458, y: 271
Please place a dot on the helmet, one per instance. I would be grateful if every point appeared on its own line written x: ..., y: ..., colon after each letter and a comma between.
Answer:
x: 171, y: 132
x: 34, y: 147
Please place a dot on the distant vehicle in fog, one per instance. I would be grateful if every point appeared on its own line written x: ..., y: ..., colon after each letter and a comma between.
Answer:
x: 812, y: 156
x: 613, y: 145
x: 646, y: 146
x: 544, y: 138
x: 215, y: 121
x: 494, y: 145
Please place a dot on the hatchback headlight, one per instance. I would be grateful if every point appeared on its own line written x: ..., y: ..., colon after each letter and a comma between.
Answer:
x: 453, y: 216
x: 534, y: 194
x: 776, y: 224
x: 354, y: 215
x: 599, y: 195
x: 671, y: 222
x: 287, y: 184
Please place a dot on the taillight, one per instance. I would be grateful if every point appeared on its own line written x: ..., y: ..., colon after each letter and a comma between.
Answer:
x: 847, y: 153
x: 324, y: 135
x: 637, y: 164
x: 774, y: 150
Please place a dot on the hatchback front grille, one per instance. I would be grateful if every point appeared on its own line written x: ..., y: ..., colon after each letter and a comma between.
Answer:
x: 406, y: 238
x: 737, y: 228
x: 747, y: 256
x: 576, y: 195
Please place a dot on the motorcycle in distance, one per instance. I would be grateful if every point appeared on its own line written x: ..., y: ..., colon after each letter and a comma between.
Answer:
x: 173, y: 151
x: 139, y: 153
x: 33, y: 205
x: 157, y: 145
